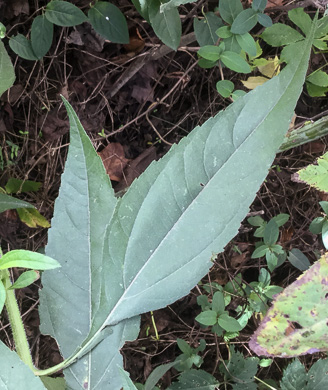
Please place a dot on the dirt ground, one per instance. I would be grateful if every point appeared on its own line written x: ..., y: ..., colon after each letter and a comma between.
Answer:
x: 134, y: 105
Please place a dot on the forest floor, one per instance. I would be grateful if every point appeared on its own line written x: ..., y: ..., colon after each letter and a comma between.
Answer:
x: 134, y: 107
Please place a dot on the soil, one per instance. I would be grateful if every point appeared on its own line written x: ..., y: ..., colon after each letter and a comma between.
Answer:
x: 133, y: 119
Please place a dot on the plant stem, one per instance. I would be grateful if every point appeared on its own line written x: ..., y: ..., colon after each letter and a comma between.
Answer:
x: 307, y: 133
x: 16, y: 323
x: 268, y: 386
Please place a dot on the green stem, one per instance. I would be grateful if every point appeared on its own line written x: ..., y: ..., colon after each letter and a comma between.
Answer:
x: 16, y: 323
x: 265, y: 384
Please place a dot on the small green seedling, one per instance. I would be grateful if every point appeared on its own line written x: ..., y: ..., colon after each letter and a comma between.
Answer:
x: 260, y: 292
x: 274, y: 253
x: 216, y: 316
x: 189, y: 356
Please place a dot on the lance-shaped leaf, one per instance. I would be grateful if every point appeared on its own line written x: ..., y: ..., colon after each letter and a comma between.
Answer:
x: 296, y: 324
x: 14, y: 374
x: 149, y: 249
x: 70, y: 298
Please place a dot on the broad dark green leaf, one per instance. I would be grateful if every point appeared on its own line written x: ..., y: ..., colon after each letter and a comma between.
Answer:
x: 14, y: 374
x: 205, y: 29
x: 63, y: 13
x: 244, y: 22
x: 195, y: 380
x: 298, y: 259
x: 121, y: 258
x: 109, y: 22
x: 22, y: 46
x: 280, y: 35
x: 174, y: 3
x: 7, y: 73
x: 235, y: 62
x: 271, y: 233
x: 166, y: 24
x: 229, y: 9
x: 302, y: 20
x: 9, y: 203
x: 41, y: 35
x: 27, y: 259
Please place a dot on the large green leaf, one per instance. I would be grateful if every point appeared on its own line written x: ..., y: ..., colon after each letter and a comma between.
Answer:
x: 123, y: 258
x: 14, y: 374
x: 195, y: 380
x: 8, y: 203
x: 71, y: 298
x: 7, y: 74
x: 63, y: 13
x: 296, y: 324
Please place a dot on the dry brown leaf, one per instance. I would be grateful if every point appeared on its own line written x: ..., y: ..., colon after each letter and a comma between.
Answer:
x: 274, y: 3
x: 135, y: 168
x: 136, y: 43
x: 286, y: 234
x: 114, y: 160
x: 315, y: 147
x: 237, y: 260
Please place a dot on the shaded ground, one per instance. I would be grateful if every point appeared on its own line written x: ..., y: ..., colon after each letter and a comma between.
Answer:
x: 132, y: 121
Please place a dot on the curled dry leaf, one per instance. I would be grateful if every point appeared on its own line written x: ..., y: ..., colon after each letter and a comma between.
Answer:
x: 114, y: 160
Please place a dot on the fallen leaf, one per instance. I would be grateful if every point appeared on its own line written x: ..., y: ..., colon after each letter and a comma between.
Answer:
x: 274, y: 3
x: 32, y: 218
x: 238, y: 260
x: 136, y: 43
x: 135, y: 168
x: 314, y: 147
x: 286, y: 234
x: 253, y: 82
x: 114, y: 160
